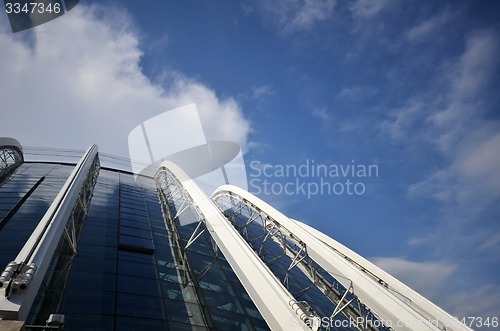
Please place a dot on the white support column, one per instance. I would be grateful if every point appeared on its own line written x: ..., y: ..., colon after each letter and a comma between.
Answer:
x: 383, y: 302
x: 270, y: 297
x: 34, y: 258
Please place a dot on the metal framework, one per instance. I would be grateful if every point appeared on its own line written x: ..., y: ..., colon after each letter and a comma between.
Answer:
x: 242, y: 214
x: 11, y: 156
x: 175, y: 202
x: 21, y: 279
x: 272, y: 299
x: 374, y: 288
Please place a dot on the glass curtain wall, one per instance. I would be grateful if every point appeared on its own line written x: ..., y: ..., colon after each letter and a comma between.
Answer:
x: 127, y: 273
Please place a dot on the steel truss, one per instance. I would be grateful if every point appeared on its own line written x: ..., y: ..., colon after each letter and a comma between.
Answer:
x: 344, y: 299
x: 58, y: 279
x: 23, y: 277
x: 181, y: 197
x: 22, y: 273
x: 81, y: 208
x: 175, y: 202
x: 10, y: 158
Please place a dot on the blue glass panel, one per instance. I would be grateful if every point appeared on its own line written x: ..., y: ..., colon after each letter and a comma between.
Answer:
x: 88, y: 322
x: 139, y: 306
x: 136, y: 244
x: 88, y: 303
x: 138, y: 285
x: 139, y: 324
x: 137, y: 269
x: 93, y: 281
x: 93, y: 264
x: 135, y: 232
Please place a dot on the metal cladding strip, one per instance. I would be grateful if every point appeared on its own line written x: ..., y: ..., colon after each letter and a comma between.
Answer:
x: 418, y: 302
x: 40, y: 247
x: 388, y: 307
x: 270, y: 297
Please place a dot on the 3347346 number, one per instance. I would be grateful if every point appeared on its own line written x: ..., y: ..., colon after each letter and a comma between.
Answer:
x: 32, y: 8
x: 479, y: 322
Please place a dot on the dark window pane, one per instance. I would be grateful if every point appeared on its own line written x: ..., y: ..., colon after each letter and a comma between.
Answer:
x: 139, y: 306
x: 138, y: 324
x: 88, y: 322
x: 98, y: 303
x: 137, y: 285
x: 137, y: 269
x: 92, y: 281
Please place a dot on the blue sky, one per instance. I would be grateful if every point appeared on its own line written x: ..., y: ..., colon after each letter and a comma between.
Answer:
x: 411, y: 86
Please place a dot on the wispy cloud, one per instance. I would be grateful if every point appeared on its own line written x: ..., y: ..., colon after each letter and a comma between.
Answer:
x: 367, y: 8
x: 461, y: 133
x: 401, y: 121
x: 355, y: 93
x: 453, y: 120
x: 427, y: 27
x: 427, y: 277
x: 438, y: 281
x: 323, y: 115
x: 468, y: 79
x: 263, y: 91
x: 294, y: 15
x: 481, y: 302
x: 491, y: 244
x: 80, y: 82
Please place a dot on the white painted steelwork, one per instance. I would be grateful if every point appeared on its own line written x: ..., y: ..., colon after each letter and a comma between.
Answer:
x: 11, y: 155
x: 374, y: 287
x: 270, y: 297
x: 31, y: 264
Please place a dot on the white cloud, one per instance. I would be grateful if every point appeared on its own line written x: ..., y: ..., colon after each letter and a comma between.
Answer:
x: 467, y: 80
x: 491, y: 245
x: 295, y: 15
x: 482, y: 302
x: 323, y: 115
x: 402, y: 120
x: 221, y: 119
x: 368, y: 8
x: 427, y: 27
x: 451, y: 120
x: 427, y: 278
x: 439, y: 282
x: 471, y: 181
x: 478, y: 163
x: 80, y: 82
x: 263, y: 91
x: 354, y: 93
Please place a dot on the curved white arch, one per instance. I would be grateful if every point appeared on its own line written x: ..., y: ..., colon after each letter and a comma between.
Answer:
x: 331, y: 256
x: 12, y: 144
x: 270, y: 297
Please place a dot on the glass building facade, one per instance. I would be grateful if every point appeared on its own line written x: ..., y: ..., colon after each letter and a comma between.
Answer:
x: 147, y: 253
x: 125, y: 275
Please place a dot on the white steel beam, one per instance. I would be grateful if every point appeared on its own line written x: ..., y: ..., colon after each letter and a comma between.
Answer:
x: 34, y: 258
x: 422, y: 315
x: 270, y: 297
x: 416, y: 300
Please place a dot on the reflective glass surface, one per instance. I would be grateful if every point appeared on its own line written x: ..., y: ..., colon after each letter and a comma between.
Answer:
x: 220, y: 293
x: 126, y: 273
x: 15, y: 230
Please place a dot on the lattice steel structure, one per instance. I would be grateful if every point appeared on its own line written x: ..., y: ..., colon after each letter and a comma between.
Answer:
x: 352, y: 288
x: 101, y: 248
x: 287, y: 256
x: 11, y: 155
